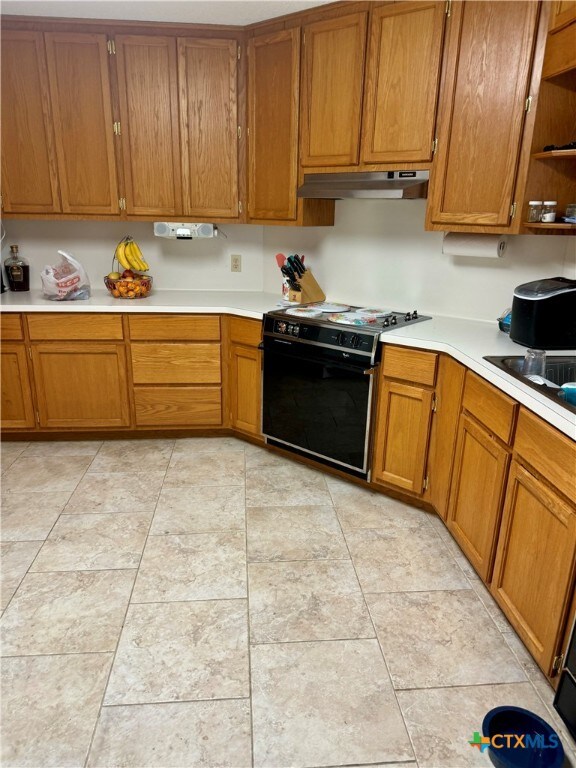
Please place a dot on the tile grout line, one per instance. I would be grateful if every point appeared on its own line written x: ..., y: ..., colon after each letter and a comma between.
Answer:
x: 374, y: 629
x: 248, y: 627
x: 128, y: 604
x: 52, y: 527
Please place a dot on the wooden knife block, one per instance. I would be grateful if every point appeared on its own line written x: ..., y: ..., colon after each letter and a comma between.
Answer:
x: 310, y: 290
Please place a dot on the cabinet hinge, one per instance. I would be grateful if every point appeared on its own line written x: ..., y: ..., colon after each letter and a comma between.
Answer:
x: 111, y: 45
x: 117, y: 129
x: 434, y: 403
x: 434, y: 145
x: 30, y: 353
x: 513, y: 210
x: 426, y: 483
x: 239, y: 206
x: 122, y: 203
x: 448, y: 7
x: 528, y: 105
x: 239, y: 52
x: 557, y: 664
x: 239, y: 131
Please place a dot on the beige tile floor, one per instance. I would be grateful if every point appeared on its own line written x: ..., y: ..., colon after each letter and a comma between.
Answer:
x: 204, y: 602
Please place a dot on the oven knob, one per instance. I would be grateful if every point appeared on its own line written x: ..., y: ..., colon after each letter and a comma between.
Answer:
x: 394, y: 320
x: 282, y: 327
x: 294, y: 330
x: 355, y: 341
x: 414, y: 315
x: 341, y: 338
x: 386, y: 323
x: 407, y: 317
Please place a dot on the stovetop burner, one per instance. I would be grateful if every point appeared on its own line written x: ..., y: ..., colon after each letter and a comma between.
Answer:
x: 368, y: 319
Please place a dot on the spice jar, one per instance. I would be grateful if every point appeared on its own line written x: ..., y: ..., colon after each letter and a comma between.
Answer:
x: 534, y: 210
x: 548, y: 211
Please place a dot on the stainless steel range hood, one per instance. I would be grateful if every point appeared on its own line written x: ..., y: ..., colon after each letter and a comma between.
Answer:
x: 384, y: 184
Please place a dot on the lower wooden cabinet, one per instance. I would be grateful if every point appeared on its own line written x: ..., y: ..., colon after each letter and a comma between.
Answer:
x: 401, y: 442
x: 176, y: 370
x: 81, y: 384
x: 245, y: 389
x: 245, y: 375
x: 485, y: 431
x: 16, y: 406
x: 404, y: 418
x: 534, y: 571
x: 478, y: 486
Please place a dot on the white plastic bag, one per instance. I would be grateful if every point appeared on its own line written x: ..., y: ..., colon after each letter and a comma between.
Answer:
x: 66, y: 280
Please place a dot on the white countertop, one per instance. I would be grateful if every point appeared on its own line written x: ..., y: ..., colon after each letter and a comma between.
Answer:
x: 467, y: 341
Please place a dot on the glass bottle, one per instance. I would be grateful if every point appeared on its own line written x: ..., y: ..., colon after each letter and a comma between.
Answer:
x: 549, y: 211
x: 534, y: 211
x: 17, y: 271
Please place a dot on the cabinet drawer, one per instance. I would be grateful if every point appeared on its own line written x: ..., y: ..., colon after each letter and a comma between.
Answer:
x: 68, y: 325
x: 11, y: 327
x: 176, y: 363
x: 410, y: 365
x: 178, y: 406
x: 551, y: 453
x: 245, y: 331
x: 175, y: 327
x: 490, y: 406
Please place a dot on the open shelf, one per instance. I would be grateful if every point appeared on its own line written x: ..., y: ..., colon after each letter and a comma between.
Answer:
x: 555, y: 153
x: 555, y: 225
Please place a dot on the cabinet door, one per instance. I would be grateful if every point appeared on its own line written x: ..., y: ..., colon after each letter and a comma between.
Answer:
x: 488, y: 62
x: 477, y: 495
x: 273, y: 98
x: 402, y: 80
x: 534, y: 570
x: 563, y: 13
x: 209, y: 126
x: 448, y: 391
x: 333, y: 75
x: 83, y: 124
x: 148, y: 86
x: 81, y: 385
x: 402, y: 431
x: 245, y: 389
x: 16, y: 409
x: 29, y: 171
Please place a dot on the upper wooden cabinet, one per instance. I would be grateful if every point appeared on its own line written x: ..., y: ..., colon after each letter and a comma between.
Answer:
x: 563, y: 13
x: 148, y: 89
x: 402, y: 81
x: 332, y: 86
x: 83, y: 122
x: 487, y: 73
x: 209, y: 126
x: 273, y: 98
x: 29, y: 175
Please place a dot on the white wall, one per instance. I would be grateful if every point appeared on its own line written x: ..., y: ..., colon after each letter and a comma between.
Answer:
x: 199, y: 264
x: 378, y: 254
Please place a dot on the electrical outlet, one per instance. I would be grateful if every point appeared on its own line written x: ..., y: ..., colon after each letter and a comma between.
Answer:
x: 235, y: 262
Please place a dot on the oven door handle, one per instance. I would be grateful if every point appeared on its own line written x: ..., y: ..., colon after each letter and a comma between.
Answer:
x: 370, y: 371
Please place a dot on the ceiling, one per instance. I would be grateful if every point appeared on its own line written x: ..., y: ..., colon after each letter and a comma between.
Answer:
x: 236, y: 12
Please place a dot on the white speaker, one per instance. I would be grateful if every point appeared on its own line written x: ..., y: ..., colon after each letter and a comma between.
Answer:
x: 179, y: 231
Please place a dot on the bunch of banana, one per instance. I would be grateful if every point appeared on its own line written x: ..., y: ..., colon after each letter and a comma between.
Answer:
x: 129, y: 255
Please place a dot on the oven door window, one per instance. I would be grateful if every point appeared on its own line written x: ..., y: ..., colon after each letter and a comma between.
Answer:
x: 317, y: 406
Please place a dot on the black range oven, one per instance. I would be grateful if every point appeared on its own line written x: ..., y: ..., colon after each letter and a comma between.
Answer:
x: 318, y: 378
x: 565, y: 700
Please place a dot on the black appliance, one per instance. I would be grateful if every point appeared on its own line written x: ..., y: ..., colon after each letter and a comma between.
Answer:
x: 565, y: 699
x: 544, y: 314
x: 318, y: 384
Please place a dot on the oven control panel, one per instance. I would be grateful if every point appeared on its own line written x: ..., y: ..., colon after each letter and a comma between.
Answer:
x: 286, y: 328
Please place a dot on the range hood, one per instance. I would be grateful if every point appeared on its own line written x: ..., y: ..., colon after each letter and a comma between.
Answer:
x: 383, y: 184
